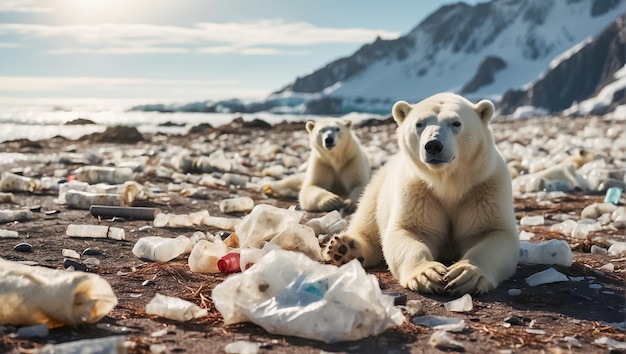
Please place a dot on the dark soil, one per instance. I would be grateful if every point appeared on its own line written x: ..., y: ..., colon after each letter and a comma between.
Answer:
x: 560, y: 309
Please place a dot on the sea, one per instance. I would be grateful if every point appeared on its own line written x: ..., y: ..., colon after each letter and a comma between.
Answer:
x: 37, y: 119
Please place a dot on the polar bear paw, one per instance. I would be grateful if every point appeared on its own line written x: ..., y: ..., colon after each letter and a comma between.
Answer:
x: 341, y: 250
x: 428, y: 277
x: 349, y: 206
x: 330, y: 202
x: 464, y: 277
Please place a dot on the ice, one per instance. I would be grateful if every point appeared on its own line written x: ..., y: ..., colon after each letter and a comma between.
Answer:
x: 440, y: 323
x: 532, y: 220
x: 462, y: 304
x: 162, y: 249
x: 236, y: 205
x: 547, y: 276
x: 548, y: 252
x: 174, y: 308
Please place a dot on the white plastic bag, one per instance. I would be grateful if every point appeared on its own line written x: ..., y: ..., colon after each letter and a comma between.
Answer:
x: 288, y: 293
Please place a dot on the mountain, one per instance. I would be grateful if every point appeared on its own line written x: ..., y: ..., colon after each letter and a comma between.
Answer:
x: 547, y: 54
x: 480, y: 51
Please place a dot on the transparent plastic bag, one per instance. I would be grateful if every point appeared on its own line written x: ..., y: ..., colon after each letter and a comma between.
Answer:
x: 288, y: 293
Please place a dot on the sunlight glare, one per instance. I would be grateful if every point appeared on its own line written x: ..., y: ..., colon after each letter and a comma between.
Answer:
x: 96, y: 10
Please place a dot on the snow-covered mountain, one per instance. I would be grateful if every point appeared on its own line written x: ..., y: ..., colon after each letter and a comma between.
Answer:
x: 548, y: 54
x: 480, y: 51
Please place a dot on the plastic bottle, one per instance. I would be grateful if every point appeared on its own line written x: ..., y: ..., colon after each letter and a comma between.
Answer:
x: 230, y: 263
x: 103, y: 174
x: 174, y: 308
x: 234, y: 205
x: 10, y: 182
x: 84, y: 200
x: 15, y: 215
x: 162, y: 249
x: 613, y: 195
x: 132, y: 213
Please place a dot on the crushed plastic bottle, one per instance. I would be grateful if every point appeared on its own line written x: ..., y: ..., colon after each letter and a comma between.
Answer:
x: 162, y: 249
x: 95, y: 231
x: 594, y: 210
x: 329, y: 224
x: 299, y: 238
x: 11, y: 182
x: 205, y: 255
x: 103, y: 174
x: 548, y: 252
x: 236, y: 205
x: 7, y: 215
x: 84, y: 200
x: 174, y: 308
x: 613, y: 195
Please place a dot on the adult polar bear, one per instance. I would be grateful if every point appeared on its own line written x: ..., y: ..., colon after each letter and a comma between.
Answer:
x: 444, y: 197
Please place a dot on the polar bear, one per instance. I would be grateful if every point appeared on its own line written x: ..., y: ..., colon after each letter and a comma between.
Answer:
x: 440, y: 211
x: 337, y: 169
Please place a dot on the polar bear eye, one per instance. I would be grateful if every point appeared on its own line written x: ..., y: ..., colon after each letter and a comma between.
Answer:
x: 419, y: 125
x: 456, y: 124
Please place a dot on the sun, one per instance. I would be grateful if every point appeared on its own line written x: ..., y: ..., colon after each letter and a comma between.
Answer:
x: 95, y: 10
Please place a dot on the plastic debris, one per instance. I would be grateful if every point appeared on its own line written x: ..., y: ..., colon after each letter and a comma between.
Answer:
x: 242, y: 347
x: 70, y: 253
x: 6, y: 197
x: 594, y: 210
x: 11, y: 182
x: 329, y: 224
x: 514, y: 292
x: 205, y: 255
x: 300, y: 238
x: 548, y: 252
x: 236, y: 205
x: 617, y: 248
x: 547, y: 276
x: 8, y: 233
x: 442, y: 340
x: 15, y: 215
x: 95, y: 231
x: 263, y: 223
x: 26, y: 293
x: 229, y: 263
x: 611, y: 344
x: 462, y: 304
x: 162, y: 249
x: 84, y: 200
x: 288, y: 293
x: 103, y: 174
x: 114, y: 344
x: 532, y: 220
x: 23, y: 247
x: 613, y: 195
x: 174, y: 308
x: 572, y: 341
x: 598, y: 250
x: 440, y: 323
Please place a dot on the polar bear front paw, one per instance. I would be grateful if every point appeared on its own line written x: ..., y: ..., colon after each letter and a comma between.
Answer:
x: 341, y: 250
x: 349, y: 206
x: 464, y: 277
x: 426, y: 278
x: 330, y: 202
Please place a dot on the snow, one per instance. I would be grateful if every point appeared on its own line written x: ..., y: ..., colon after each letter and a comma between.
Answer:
x: 604, y: 97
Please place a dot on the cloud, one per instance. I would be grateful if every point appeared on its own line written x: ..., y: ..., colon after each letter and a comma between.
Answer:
x: 22, y: 6
x: 9, y: 45
x: 266, y: 37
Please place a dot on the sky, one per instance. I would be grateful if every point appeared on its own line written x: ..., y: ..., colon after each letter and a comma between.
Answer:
x: 184, y: 50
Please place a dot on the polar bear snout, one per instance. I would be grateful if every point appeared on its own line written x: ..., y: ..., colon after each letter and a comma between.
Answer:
x: 328, y: 139
x: 433, y: 147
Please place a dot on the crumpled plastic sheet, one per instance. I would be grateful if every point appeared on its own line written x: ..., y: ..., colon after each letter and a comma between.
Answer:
x: 287, y: 293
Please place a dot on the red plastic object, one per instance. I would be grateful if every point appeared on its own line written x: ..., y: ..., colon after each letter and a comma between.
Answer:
x: 229, y: 263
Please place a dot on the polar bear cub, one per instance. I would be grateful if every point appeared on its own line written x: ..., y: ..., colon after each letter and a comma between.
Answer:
x: 440, y: 211
x: 338, y: 168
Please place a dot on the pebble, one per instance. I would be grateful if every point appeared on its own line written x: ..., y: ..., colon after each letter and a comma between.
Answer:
x: 23, y: 247
x: 70, y: 253
x: 514, y: 292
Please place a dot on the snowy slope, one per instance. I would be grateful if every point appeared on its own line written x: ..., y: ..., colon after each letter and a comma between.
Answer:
x: 444, y: 52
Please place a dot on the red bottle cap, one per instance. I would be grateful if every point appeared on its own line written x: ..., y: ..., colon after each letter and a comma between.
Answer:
x: 229, y: 263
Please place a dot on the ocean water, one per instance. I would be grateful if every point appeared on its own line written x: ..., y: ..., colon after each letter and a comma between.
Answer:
x: 37, y: 119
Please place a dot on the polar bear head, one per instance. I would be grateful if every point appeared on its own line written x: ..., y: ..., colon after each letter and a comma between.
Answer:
x: 444, y: 131
x: 329, y: 133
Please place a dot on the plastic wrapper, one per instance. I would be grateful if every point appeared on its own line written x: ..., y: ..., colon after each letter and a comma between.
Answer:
x: 34, y: 295
x: 289, y: 294
x: 263, y: 223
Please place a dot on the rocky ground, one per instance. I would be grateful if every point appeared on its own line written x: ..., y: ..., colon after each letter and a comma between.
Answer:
x: 557, y: 317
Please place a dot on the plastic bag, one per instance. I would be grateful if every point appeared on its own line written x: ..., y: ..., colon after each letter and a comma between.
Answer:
x: 288, y: 293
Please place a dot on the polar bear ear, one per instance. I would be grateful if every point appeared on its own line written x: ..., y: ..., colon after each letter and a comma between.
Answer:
x: 347, y: 123
x: 310, y: 125
x: 400, y: 110
x: 485, y: 110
